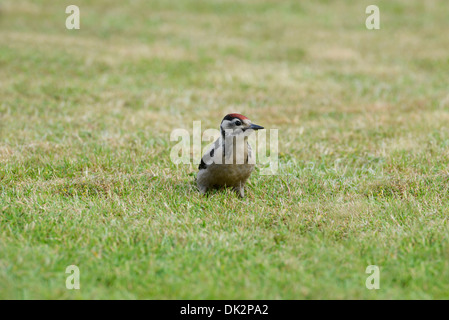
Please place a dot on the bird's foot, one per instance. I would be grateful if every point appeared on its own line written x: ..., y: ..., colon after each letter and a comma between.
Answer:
x: 240, y: 191
x: 202, y: 189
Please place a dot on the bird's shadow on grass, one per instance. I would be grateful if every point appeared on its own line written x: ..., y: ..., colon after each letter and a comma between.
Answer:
x: 192, y: 191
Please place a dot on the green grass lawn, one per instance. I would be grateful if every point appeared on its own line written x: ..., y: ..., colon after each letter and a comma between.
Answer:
x: 85, y: 170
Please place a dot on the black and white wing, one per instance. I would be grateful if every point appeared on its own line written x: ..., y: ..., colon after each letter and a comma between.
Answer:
x: 207, y: 158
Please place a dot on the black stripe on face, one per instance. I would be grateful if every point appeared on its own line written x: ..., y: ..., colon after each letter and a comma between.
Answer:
x: 202, y: 165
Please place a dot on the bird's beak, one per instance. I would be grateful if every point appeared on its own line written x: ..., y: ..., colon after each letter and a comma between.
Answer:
x: 255, y: 127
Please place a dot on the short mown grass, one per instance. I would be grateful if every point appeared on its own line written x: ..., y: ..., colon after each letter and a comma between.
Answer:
x: 85, y: 170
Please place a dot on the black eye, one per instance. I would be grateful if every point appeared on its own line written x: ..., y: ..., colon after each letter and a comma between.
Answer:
x: 238, y: 123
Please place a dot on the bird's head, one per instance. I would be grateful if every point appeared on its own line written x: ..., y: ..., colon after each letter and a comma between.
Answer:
x: 235, y: 124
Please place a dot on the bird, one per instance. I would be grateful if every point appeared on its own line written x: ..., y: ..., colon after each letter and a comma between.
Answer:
x: 229, y: 161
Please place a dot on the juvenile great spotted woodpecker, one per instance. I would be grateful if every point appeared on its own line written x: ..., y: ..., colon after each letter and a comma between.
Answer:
x: 230, y: 161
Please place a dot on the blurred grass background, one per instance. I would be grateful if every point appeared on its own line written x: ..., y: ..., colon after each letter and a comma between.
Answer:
x: 86, y: 178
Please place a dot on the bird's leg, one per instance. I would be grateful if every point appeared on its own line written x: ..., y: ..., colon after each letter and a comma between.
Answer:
x: 203, y: 189
x: 241, y: 190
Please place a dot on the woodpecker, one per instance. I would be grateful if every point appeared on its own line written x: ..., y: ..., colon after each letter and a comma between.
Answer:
x: 229, y: 162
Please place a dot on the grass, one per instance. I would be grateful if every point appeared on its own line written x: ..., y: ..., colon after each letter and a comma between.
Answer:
x: 86, y: 177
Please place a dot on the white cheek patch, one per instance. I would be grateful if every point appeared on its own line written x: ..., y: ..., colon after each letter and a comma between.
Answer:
x: 226, y: 124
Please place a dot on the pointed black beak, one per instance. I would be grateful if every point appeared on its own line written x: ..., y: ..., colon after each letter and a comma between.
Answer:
x: 255, y: 127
